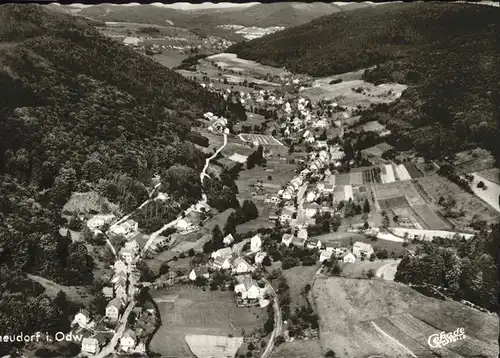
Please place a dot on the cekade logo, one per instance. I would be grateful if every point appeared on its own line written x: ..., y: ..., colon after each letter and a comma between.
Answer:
x: 442, y: 339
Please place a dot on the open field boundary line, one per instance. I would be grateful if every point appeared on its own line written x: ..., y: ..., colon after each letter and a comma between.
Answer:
x: 393, y: 339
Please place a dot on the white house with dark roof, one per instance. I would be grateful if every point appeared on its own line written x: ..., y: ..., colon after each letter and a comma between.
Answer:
x: 325, y: 255
x: 128, y: 340
x: 113, y: 309
x: 120, y: 267
x: 107, y: 292
x: 359, y: 248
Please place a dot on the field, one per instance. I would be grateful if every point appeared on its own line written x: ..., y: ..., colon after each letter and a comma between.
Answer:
x: 435, y: 186
x: 169, y: 58
x: 490, y: 193
x: 412, y: 170
x: 491, y: 175
x: 191, y: 311
x: 343, y: 94
x: 357, y: 176
x: 404, y: 195
x: 76, y: 294
x: 357, y: 316
x: 279, y: 172
x: 297, y: 277
x: 356, y: 269
x: 376, y: 150
x: 225, y: 60
x: 299, y: 349
x: 262, y: 139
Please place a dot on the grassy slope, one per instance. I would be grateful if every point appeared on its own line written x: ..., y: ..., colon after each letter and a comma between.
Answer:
x: 347, y: 307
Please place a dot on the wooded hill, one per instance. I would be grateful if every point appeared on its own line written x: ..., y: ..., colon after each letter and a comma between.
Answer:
x: 78, y: 112
x: 449, y: 61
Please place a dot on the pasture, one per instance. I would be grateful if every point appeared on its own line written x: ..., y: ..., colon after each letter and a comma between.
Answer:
x: 436, y: 186
x: 361, y: 318
x: 299, y: 349
x: 366, y: 93
x: 226, y: 60
x: 490, y: 193
x: 297, y: 278
x: 169, y: 58
x: 402, y: 195
x: 192, y: 311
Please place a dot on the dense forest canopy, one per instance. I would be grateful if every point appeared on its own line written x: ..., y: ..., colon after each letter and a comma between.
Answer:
x: 78, y: 112
x: 449, y: 62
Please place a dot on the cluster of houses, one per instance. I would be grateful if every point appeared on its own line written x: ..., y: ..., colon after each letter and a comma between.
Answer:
x: 118, y: 292
x: 218, y: 124
x: 229, y: 259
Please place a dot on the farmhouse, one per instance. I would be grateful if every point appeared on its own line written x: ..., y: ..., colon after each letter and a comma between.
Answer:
x: 120, y: 267
x: 259, y: 257
x: 241, y: 266
x: 90, y: 345
x: 348, y: 257
x: 325, y: 255
x: 311, y: 209
x: 126, y: 228
x: 113, y: 309
x: 247, y: 288
x: 314, y: 244
x: 228, y: 240
x: 126, y: 254
x: 255, y: 243
x: 221, y: 263
x: 360, y: 248
x: 286, y: 215
x: 82, y: 318
x: 225, y: 253
x: 107, y: 292
x: 128, y: 340
x: 286, y: 239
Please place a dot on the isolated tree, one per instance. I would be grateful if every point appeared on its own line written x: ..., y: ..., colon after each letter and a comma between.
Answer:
x: 217, y: 238
x: 249, y: 210
x: 366, y: 206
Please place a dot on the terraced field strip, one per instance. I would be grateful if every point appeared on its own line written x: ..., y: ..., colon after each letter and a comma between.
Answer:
x: 402, y: 172
x: 412, y: 170
x: 388, y: 174
x: 392, y: 339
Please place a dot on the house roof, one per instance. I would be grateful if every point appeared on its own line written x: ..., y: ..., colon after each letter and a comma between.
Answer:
x: 229, y: 238
x: 201, y: 270
x: 312, y: 206
x: 286, y: 237
x: 84, y: 312
x: 107, y: 290
x: 115, y: 302
x: 225, y: 252
x: 362, y: 246
x: 239, y: 261
x: 90, y: 341
x: 129, y: 333
x: 219, y: 260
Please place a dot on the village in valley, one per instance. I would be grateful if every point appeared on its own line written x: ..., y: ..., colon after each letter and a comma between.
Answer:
x: 320, y: 194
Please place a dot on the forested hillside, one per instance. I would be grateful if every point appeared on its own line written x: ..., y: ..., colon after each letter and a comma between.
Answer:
x: 78, y: 111
x: 449, y: 62
x: 463, y: 269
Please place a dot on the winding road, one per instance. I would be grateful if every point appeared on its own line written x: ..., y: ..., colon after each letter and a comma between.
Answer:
x: 203, y: 200
x: 278, y: 322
